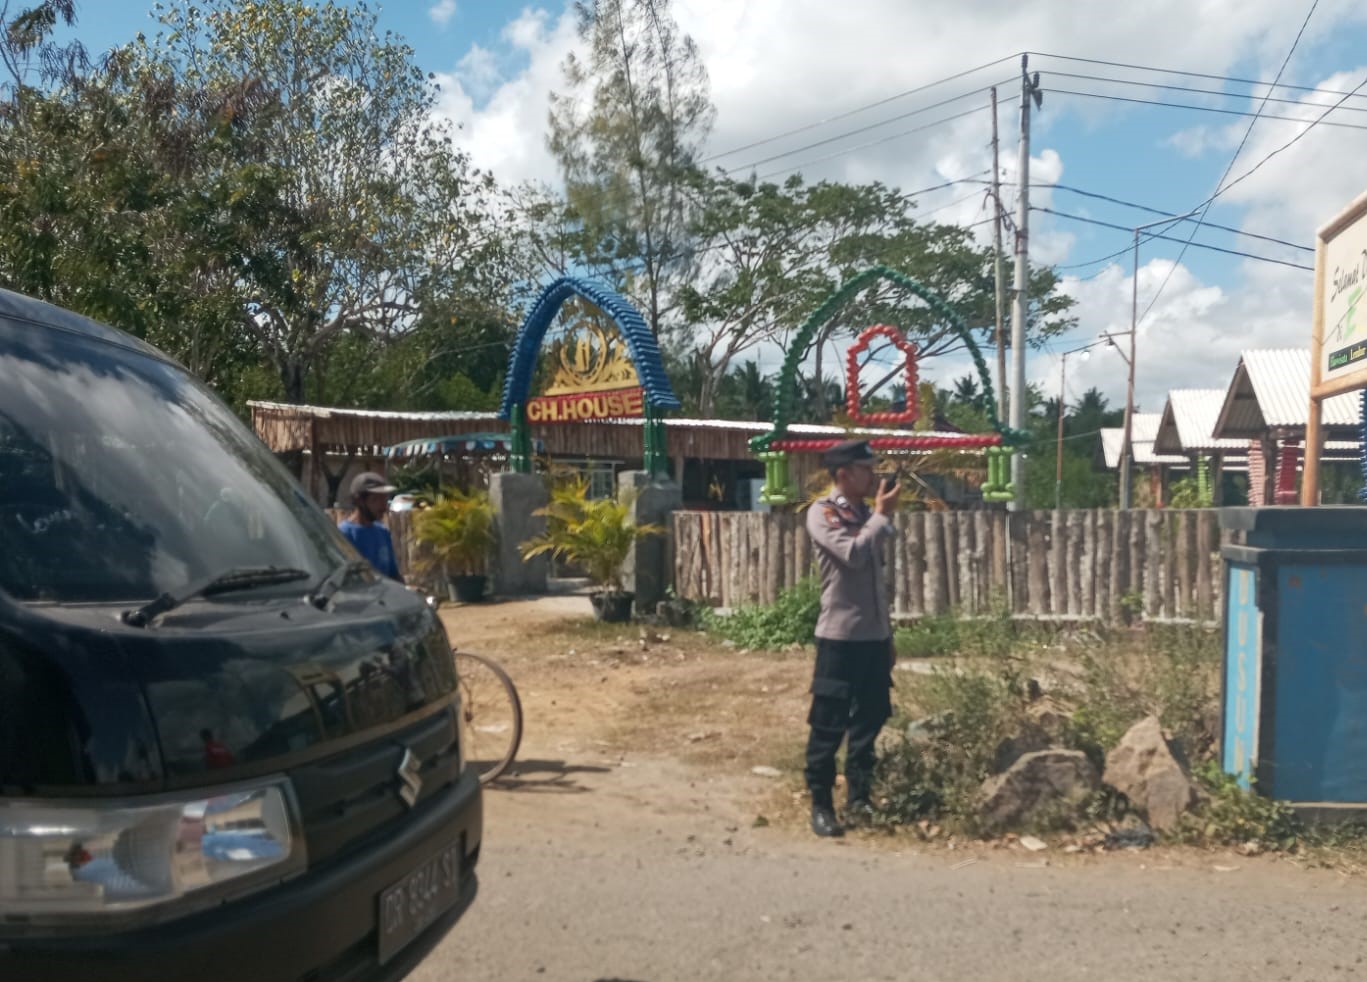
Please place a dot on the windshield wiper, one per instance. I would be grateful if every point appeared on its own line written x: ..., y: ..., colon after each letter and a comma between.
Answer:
x: 239, y: 578
x: 334, y: 580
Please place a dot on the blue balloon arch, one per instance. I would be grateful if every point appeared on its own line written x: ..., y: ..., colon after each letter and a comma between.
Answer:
x: 645, y: 355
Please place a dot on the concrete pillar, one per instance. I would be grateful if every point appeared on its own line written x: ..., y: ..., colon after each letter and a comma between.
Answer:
x: 515, y: 497
x: 648, y: 571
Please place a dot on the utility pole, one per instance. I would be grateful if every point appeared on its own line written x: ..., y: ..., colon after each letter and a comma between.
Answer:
x: 1127, y: 435
x: 1058, y: 452
x: 1003, y: 409
x: 1029, y: 90
x: 1126, y: 443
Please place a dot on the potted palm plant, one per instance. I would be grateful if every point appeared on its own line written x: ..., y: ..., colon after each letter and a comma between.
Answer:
x: 458, y: 531
x: 596, y: 535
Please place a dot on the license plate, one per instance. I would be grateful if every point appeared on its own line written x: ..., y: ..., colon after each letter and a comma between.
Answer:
x: 411, y: 905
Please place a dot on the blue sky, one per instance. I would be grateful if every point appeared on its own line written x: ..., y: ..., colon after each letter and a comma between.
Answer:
x: 776, y: 65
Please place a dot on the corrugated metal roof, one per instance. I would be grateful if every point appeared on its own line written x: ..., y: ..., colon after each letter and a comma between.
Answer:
x: 1189, y: 420
x: 330, y: 412
x: 1271, y: 390
x: 1143, y: 428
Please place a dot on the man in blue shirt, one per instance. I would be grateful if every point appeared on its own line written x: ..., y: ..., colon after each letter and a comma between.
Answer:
x: 370, y: 495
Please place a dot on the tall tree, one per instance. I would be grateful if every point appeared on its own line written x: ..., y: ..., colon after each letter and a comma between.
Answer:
x: 365, y: 208
x: 627, y: 132
x: 769, y: 254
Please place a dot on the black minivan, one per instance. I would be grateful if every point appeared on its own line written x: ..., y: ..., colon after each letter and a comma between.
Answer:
x: 228, y: 749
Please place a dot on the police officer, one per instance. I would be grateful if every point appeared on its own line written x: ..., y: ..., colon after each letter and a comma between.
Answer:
x: 853, y: 676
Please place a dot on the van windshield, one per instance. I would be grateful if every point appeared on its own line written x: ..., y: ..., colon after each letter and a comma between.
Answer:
x: 122, y: 478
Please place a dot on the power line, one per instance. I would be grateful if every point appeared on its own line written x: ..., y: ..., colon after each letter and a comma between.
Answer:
x: 1168, y: 214
x: 864, y: 129
x: 1170, y: 238
x: 871, y: 143
x: 858, y: 109
x: 1205, y: 109
x: 1219, y: 186
x: 1175, y: 71
x: 1189, y: 89
x: 1157, y: 211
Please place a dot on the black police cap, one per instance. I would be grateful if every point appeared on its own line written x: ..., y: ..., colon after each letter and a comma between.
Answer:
x: 845, y: 453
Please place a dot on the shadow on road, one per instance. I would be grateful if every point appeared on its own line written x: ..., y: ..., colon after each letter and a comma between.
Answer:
x: 550, y: 776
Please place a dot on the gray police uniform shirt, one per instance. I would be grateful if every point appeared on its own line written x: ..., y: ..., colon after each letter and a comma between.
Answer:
x: 849, y: 549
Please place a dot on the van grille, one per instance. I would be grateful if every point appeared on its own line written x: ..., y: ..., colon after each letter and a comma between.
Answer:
x: 346, y: 799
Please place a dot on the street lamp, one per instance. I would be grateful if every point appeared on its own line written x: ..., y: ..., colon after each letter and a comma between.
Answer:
x: 1126, y: 442
x: 1086, y: 353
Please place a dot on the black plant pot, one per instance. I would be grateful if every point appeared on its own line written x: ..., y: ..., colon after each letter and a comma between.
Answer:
x: 469, y: 589
x: 612, y: 608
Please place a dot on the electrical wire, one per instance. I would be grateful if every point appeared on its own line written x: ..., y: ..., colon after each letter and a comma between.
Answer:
x: 1190, y: 89
x: 1170, y: 238
x: 864, y: 129
x: 858, y: 109
x: 1205, y: 109
x: 1220, y: 187
x: 1175, y: 71
x: 871, y: 143
x: 1167, y: 214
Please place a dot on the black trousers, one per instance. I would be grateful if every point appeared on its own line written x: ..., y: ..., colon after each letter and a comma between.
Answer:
x: 850, y: 695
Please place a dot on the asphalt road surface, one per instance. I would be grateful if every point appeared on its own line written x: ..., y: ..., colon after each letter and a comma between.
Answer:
x: 649, y: 870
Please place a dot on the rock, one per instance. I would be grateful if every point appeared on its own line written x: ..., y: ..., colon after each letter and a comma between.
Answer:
x: 1033, y: 844
x: 1039, y: 780
x: 1030, y: 739
x: 1144, y: 770
x: 764, y: 770
x: 927, y: 730
x: 1049, y: 716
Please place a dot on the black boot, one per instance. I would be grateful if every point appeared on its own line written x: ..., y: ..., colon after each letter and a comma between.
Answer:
x: 858, y: 800
x: 824, y: 823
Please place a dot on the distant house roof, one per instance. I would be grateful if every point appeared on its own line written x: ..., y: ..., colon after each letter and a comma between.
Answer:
x: 1188, y: 423
x: 1143, y: 430
x: 1271, y: 390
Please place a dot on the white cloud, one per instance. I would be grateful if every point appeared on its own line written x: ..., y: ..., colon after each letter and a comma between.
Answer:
x: 442, y: 11
x: 505, y: 131
x: 776, y: 65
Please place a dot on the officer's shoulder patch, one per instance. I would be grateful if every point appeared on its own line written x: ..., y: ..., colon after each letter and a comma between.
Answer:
x: 833, y: 516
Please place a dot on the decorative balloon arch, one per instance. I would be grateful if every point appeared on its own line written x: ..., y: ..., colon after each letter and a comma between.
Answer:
x: 774, y: 446
x: 613, y: 388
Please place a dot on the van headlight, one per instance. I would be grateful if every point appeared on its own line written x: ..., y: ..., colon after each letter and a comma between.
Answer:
x: 68, y: 858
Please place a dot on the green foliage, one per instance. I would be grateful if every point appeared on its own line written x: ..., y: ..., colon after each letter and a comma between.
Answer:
x: 596, y: 534
x: 1185, y: 492
x: 458, y: 529
x: 992, y: 636
x: 791, y: 619
x: 1232, y: 816
x: 970, y: 712
x: 1170, y: 672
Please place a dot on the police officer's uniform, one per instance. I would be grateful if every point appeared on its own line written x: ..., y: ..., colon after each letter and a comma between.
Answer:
x: 853, y: 675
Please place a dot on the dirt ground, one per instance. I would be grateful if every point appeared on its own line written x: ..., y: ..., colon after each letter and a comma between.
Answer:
x: 634, y: 840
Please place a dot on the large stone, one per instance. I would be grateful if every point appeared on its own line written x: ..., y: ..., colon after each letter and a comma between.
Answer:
x: 1028, y: 738
x: 1142, y: 768
x: 1038, y: 782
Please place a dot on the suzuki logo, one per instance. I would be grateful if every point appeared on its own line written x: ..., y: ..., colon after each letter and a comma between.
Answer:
x: 410, y: 783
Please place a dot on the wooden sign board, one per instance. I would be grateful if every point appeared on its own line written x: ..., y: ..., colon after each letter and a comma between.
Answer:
x: 1338, y: 347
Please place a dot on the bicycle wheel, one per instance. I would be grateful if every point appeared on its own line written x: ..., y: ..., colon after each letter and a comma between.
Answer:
x: 490, y: 715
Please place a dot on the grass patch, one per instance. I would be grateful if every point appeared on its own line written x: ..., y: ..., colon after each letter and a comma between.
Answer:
x: 791, y: 619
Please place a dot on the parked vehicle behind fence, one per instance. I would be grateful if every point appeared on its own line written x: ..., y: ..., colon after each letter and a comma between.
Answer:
x: 228, y: 749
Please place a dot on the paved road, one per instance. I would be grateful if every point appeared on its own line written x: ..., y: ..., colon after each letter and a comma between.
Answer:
x: 643, y: 870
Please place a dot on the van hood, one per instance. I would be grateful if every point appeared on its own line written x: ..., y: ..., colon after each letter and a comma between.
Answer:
x: 216, y: 691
